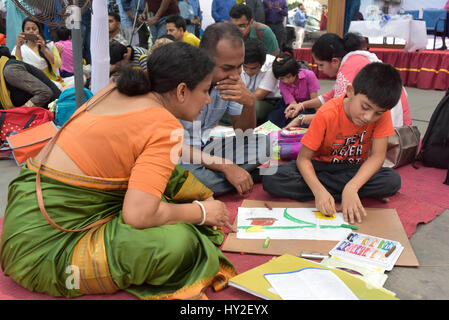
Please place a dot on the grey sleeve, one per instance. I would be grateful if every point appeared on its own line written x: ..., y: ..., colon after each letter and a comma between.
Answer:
x: 17, y: 76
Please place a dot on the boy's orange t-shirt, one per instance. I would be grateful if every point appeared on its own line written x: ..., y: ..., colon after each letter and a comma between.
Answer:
x: 143, y: 146
x: 335, y: 139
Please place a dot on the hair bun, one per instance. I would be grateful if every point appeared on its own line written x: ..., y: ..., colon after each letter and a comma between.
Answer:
x: 133, y: 82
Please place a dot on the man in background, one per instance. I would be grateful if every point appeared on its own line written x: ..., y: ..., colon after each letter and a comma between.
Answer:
x: 242, y: 16
x: 159, y: 10
x: 176, y: 26
x: 300, y: 23
x: 275, y: 13
x: 131, y: 9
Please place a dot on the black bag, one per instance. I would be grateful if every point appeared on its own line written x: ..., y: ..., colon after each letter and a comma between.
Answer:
x: 435, y: 144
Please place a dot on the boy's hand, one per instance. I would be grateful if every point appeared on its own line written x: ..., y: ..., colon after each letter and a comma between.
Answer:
x: 352, y: 206
x: 325, y: 203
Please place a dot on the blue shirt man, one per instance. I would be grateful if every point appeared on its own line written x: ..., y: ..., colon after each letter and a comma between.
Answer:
x: 221, y: 8
x: 300, y: 16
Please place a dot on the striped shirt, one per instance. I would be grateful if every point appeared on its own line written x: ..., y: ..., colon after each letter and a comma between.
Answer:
x: 139, y: 58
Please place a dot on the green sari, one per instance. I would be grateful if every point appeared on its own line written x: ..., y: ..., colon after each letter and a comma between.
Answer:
x: 166, y: 262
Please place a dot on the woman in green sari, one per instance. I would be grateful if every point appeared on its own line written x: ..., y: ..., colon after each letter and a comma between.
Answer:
x: 104, y: 206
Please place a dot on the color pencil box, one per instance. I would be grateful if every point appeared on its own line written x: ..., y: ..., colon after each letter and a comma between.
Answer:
x: 29, y: 142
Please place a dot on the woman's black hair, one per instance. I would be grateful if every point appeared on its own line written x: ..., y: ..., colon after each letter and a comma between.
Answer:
x: 284, y: 64
x: 168, y: 66
x: 41, y: 32
x: 331, y: 45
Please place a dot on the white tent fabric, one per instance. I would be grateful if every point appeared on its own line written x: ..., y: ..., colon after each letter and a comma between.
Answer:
x: 99, y: 45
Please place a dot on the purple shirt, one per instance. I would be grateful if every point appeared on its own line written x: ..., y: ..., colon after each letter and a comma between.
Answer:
x: 274, y: 15
x: 307, y: 83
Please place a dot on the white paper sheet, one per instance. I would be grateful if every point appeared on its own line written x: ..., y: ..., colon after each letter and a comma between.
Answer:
x: 310, y: 284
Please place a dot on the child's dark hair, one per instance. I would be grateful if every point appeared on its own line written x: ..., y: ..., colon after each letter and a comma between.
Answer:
x: 331, y: 45
x: 380, y: 83
x: 116, y: 51
x: 255, y: 51
x: 178, y: 21
x: 63, y: 33
x: 284, y: 64
x: 41, y: 32
x: 239, y: 10
x: 168, y: 66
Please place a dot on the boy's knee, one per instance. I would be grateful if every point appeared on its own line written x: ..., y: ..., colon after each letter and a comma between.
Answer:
x: 392, y: 181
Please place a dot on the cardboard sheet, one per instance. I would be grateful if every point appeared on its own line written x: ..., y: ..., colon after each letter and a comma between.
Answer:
x: 383, y: 223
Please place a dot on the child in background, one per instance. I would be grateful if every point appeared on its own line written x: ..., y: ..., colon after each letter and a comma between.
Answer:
x: 343, y: 58
x: 344, y: 148
x: 64, y: 46
x: 296, y: 85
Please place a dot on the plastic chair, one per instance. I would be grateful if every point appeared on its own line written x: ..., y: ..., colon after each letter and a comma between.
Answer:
x: 436, y: 22
x: 413, y: 13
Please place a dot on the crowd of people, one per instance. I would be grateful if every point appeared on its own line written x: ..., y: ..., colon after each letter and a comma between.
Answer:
x: 124, y: 195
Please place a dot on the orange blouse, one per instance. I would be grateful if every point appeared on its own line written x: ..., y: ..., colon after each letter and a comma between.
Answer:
x: 142, y: 145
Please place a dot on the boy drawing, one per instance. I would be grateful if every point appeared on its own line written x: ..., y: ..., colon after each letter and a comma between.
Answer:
x: 344, y: 149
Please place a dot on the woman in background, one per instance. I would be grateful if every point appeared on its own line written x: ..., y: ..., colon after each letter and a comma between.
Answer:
x: 32, y: 48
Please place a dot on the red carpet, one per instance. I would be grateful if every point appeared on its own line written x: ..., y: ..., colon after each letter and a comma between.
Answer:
x: 422, y: 198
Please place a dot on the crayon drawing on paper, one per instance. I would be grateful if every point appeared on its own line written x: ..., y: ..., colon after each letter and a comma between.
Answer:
x: 290, y: 223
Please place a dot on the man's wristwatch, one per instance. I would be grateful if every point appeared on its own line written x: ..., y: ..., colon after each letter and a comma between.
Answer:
x: 300, y: 117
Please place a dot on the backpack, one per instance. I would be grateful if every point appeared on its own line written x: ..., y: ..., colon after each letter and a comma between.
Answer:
x: 17, y: 119
x: 66, y: 105
x: 435, y: 144
x: 14, y: 120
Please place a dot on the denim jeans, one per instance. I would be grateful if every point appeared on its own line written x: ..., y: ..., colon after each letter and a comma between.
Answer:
x: 248, y: 153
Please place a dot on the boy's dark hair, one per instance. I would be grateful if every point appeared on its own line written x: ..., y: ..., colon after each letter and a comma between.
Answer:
x: 116, y: 51
x: 168, y: 36
x: 285, y: 64
x: 218, y: 31
x: 380, y: 83
x: 239, y: 10
x: 168, y: 66
x: 331, y: 45
x: 177, y: 20
x: 63, y: 33
x: 255, y: 51
x: 115, y: 15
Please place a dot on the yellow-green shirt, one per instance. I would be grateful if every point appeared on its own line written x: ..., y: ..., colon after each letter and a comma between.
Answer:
x: 190, y: 38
